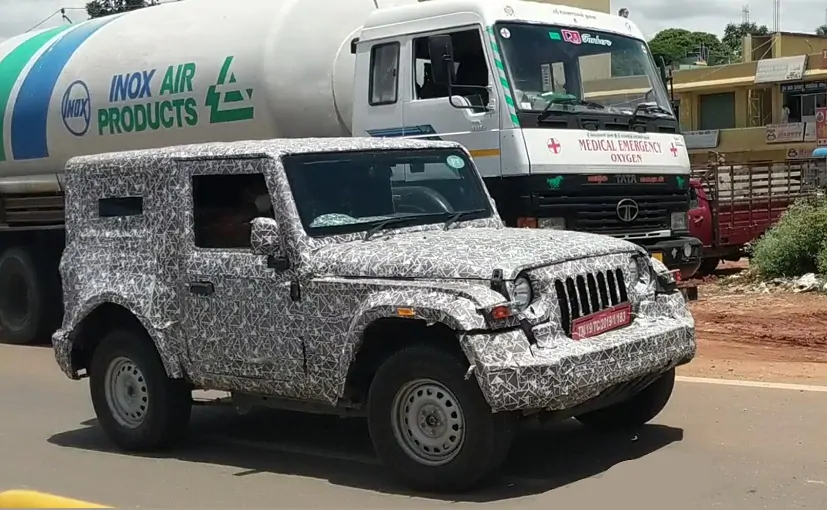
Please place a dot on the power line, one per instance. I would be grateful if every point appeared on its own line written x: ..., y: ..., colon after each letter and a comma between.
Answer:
x: 62, y: 12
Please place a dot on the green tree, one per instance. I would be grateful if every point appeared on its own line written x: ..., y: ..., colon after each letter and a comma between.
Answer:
x: 735, y: 32
x: 100, y: 8
x: 822, y: 30
x: 677, y: 44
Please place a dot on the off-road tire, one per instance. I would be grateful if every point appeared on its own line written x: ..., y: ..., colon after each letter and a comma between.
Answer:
x: 38, y: 323
x: 636, y: 411
x: 488, y: 435
x: 167, y: 415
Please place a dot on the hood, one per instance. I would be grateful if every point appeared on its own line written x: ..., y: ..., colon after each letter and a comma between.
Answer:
x: 464, y: 253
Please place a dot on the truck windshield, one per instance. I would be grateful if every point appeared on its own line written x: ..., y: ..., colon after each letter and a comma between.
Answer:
x: 579, y: 69
x: 347, y: 192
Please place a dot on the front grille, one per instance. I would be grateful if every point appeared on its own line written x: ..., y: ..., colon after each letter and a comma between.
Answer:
x: 598, y: 213
x: 589, y: 293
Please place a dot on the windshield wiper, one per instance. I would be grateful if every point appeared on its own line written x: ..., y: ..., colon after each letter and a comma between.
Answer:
x: 459, y: 216
x: 396, y: 221
x: 567, y: 100
x: 648, y: 108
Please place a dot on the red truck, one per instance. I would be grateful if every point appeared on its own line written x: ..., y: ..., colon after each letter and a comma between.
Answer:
x: 733, y: 205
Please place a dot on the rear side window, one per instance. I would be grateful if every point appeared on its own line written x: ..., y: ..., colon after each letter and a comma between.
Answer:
x: 114, y: 207
x: 384, y: 73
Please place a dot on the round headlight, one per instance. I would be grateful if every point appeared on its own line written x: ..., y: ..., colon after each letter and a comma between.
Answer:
x: 522, y: 292
x: 634, y: 272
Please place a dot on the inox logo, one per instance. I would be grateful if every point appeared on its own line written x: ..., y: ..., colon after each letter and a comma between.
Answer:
x: 76, y: 108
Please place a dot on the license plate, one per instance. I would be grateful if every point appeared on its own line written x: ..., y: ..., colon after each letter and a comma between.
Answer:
x: 658, y: 256
x: 601, y: 322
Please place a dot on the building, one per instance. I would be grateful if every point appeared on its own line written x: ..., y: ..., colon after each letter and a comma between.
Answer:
x: 738, y: 110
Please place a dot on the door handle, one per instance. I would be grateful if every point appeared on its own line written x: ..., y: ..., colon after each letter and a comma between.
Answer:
x: 202, y: 288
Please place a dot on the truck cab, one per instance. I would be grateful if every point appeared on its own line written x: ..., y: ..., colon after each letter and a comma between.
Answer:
x: 564, y: 111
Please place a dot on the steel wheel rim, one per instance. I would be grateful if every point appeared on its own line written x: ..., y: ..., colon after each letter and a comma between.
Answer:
x: 126, y: 392
x: 428, y: 422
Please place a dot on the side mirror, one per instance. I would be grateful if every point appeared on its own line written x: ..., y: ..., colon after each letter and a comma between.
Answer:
x: 441, y: 50
x: 662, y: 69
x: 265, y: 238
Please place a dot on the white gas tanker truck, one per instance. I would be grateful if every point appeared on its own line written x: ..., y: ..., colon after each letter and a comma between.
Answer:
x: 563, y: 109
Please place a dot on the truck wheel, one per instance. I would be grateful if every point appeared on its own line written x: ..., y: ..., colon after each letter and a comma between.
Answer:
x: 432, y: 427
x: 22, y: 299
x: 708, y: 266
x: 637, y: 410
x: 137, y: 405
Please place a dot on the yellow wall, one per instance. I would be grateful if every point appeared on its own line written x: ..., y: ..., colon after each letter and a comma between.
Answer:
x: 788, y: 45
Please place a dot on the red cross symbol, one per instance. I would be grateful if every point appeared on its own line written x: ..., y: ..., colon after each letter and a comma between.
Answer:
x: 553, y: 145
x: 674, y: 150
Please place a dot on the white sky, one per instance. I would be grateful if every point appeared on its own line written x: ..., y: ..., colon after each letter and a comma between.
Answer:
x: 17, y: 16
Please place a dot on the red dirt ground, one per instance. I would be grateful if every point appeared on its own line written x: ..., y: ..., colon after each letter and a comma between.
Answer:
x: 779, y: 337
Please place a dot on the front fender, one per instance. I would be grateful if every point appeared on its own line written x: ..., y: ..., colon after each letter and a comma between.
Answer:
x: 154, y: 326
x: 454, y: 308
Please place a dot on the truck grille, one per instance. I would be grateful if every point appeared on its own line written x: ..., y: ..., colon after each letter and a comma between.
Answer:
x: 599, y: 213
x: 589, y: 293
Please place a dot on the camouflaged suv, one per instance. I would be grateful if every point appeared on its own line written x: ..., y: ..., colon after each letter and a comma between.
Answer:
x: 354, y: 276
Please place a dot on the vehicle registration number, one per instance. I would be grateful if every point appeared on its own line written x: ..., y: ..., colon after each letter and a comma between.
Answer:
x: 602, y: 321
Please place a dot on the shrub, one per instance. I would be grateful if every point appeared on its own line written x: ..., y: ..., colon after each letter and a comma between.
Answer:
x: 797, y: 244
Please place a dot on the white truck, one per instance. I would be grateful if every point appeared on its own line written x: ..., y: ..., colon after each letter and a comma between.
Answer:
x: 563, y: 110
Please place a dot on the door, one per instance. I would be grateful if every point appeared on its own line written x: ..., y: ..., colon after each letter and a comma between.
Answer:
x: 237, y: 309
x: 428, y: 113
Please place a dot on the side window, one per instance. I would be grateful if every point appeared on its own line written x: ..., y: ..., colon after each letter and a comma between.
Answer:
x: 120, y: 206
x: 224, y: 206
x: 471, y: 68
x: 384, y: 73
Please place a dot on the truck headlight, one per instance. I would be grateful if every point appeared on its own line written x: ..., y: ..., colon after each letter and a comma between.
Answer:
x: 678, y: 221
x: 552, y: 223
x: 521, y: 293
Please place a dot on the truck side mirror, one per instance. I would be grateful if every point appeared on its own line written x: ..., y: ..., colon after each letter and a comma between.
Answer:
x: 441, y: 50
x: 662, y: 69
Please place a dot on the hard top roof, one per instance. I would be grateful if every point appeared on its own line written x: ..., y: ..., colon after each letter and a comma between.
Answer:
x: 382, y: 20
x: 263, y: 148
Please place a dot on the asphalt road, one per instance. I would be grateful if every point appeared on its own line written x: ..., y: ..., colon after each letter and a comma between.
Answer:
x: 714, y: 447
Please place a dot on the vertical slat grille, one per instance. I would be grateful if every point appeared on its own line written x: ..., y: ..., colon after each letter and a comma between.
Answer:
x: 589, y: 293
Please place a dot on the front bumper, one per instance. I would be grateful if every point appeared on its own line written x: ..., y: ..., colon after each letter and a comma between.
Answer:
x: 674, y: 257
x: 557, y: 373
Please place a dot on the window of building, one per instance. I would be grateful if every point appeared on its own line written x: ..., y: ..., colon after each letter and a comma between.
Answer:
x: 224, y: 206
x: 120, y: 206
x: 470, y: 64
x: 384, y: 73
x: 717, y: 111
x: 802, y: 99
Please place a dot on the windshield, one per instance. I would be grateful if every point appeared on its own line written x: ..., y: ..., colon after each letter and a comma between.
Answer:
x: 346, y: 192
x: 549, y: 64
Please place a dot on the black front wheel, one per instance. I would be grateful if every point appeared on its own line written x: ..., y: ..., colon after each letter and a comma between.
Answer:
x: 137, y: 405
x: 635, y: 411
x: 430, y: 426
